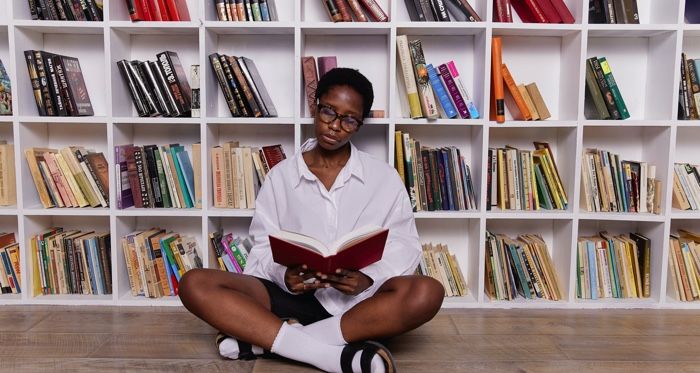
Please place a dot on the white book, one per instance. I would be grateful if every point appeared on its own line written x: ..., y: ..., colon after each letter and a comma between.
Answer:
x: 409, y: 77
x: 643, y: 187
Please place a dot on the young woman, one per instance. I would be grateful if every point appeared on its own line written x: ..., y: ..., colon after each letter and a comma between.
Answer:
x: 326, y: 190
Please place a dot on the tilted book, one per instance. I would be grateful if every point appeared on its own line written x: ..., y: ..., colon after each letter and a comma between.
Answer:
x: 425, y: 91
x: 404, y: 58
x: 353, y: 251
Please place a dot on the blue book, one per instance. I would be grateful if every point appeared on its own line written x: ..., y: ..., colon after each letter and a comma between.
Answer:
x: 441, y: 92
x: 264, y: 11
x: 168, y: 271
x: 173, y: 266
x: 91, y: 268
x: 592, y: 269
x: 9, y: 269
x: 187, y: 171
x: 521, y: 273
x: 174, y: 150
x: 94, y: 249
x: 692, y: 11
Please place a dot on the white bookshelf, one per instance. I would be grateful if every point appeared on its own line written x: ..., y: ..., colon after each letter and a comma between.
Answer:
x: 644, y: 58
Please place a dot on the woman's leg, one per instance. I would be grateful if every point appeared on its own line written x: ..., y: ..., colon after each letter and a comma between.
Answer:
x: 237, y: 305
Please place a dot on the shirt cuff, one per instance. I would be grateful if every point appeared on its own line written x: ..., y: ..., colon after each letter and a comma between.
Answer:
x: 277, y: 272
x: 378, y: 276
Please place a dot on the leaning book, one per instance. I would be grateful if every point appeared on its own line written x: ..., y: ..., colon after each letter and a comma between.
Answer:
x: 5, y: 92
x: 353, y: 251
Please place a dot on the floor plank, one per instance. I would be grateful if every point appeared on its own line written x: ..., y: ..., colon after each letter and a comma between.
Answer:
x: 17, y: 321
x: 184, y: 346
x: 50, y: 344
x: 131, y: 322
x: 91, y: 365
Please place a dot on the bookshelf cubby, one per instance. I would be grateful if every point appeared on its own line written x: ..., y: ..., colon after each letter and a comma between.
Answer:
x: 644, y: 58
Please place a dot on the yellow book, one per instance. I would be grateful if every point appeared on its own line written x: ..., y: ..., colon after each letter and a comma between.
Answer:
x: 398, y: 155
x: 409, y: 77
x: 502, y: 196
x: 549, y: 178
x: 80, y: 177
x: 197, y: 166
x: 72, y: 183
x: 34, y: 156
x: 36, y: 283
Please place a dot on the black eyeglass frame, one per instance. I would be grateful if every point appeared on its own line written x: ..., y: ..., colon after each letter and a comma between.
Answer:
x: 343, y: 124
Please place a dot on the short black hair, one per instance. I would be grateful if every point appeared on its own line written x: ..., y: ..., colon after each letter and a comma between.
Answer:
x: 351, y: 78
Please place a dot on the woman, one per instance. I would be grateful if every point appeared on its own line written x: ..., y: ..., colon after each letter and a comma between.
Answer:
x: 326, y: 190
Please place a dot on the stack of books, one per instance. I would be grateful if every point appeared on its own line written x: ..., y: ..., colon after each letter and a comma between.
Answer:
x: 71, y: 262
x: 433, y: 91
x: 345, y: 10
x: 438, y: 263
x: 8, y: 190
x: 524, y: 179
x: 684, y: 265
x: 158, y: 10
x: 246, y: 10
x: 686, y: 186
x: 614, y: 185
x: 239, y: 171
x: 532, y: 11
x: 242, y: 86
x: 441, y: 10
x: 71, y: 177
x: 159, y: 88
x: 519, y: 266
x: 58, y: 84
x: 435, y: 178
x: 152, y: 177
x: 613, y: 11
x: 613, y: 266
x: 231, y: 252
x: 5, y: 92
x: 10, y: 274
x: 603, y: 98
x: 689, y: 89
x: 157, y: 259
x: 66, y: 10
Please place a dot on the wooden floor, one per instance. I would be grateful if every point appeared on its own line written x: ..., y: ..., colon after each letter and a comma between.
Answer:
x: 42, y: 338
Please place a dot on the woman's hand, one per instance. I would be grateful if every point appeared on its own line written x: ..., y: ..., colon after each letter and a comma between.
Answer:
x: 346, y: 281
x: 295, y: 278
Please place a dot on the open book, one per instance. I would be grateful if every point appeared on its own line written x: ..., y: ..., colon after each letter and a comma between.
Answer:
x: 353, y: 251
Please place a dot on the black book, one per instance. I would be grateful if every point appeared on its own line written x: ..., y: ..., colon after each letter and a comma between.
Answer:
x: 489, y: 179
x: 413, y: 6
x: 148, y: 68
x: 104, y: 252
x: 36, y: 86
x: 250, y: 71
x: 223, y: 83
x: 467, y: 10
x: 54, y: 84
x: 44, y: 83
x: 150, y: 86
x: 245, y: 86
x: 596, y: 13
x: 609, y: 11
x: 77, y: 10
x: 142, y: 173
x: 46, y: 7
x: 604, y: 88
x: 76, y: 92
x: 91, y: 10
x: 153, y: 174
x: 163, y: 87
x: 176, y: 79
x: 233, y: 85
x: 61, y: 10
x: 146, y: 93
x: 33, y: 7
x: 134, y: 92
x: 427, y: 10
x: 440, y: 10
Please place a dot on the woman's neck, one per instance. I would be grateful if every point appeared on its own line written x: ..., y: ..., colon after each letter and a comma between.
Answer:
x: 327, y: 158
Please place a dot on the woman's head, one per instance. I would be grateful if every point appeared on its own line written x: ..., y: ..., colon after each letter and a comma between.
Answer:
x: 344, y: 99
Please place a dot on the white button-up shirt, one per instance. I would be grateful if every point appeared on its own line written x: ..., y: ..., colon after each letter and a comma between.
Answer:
x: 367, y: 191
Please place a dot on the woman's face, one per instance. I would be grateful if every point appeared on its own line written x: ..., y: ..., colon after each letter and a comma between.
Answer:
x: 344, y: 102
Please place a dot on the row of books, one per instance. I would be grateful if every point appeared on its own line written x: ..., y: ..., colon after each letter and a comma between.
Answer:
x: 438, y: 263
x: 158, y: 177
x: 524, y: 102
x: 5, y: 91
x: 8, y: 189
x: 689, y: 89
x: 71, y: 177
x: 156, y: 260
x: 615, y: 185
x: 519, y: 266
x: 684, y: 265
x: 68, y: 261
x: 426, y: 85
x: 441, y: 11
x: 686, y: 186
x: 345, y: 10
x: 532, y: 11
x: 524, y: 179
x: 435, y: 178
x: 603, y: 98
x: 66, y: 10
x: 231, y: 252
x: 58, y: 84
x: 242, y: 86
x: 239, y: 171
x: 159, y: 88
x: 158, y: 10
x: 613, y: 266
x: 246, y: 10
x: 10, y: 273
x: 613, y: 11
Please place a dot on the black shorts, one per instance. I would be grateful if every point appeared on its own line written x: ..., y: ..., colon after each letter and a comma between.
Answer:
x: 304, y: 307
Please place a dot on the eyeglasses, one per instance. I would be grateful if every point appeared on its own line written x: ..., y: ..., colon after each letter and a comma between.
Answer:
x: 328, y: 115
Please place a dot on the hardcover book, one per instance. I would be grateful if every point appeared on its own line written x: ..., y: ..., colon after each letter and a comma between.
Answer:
x: 353, y: 251
x: 5, y: 92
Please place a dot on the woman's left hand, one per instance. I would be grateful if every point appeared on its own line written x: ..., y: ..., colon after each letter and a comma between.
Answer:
x: 346, y: 281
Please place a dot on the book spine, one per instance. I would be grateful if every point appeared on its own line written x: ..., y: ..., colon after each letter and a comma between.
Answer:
x: 473, y: 111
x: 344, y: 10
x: 225, y: 89
x: 140, y: 77
x: 149, y: 74
x: 604, y: 88
x: 221, y: 10
x: 235, y: 89
x: 549, y: 12
x: 374, y: 10
x: 596, y: 95
x: 413, y: 14
x: 195, y: 85
x: 252, y: 75
x: 502, y: 11
x: 36, y: 85
x: 617, y: 96
x: 255, y: 9
x: 497, y: 83
x: 515, y: 93
x: 43, y: 82
x: 468, y: 10
x: 423, y: 81
x: 264, y: 11
x: 308, y: 65
x: 609, y: 10
x: 77, y: 89
x: 332, y: 10
x: 123, y: 67
x: 409, y: 77
x: 440, y: 10
x: 564, y: 12
x: 440, y: 92
x: 174, y: 84
x: 245, y: 87
x: 33, y: 9
x: 456, y: 96
x: 631, y: 11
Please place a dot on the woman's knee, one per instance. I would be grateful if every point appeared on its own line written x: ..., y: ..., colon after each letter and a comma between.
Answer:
x: 191, y: 283
x: 425, y: 296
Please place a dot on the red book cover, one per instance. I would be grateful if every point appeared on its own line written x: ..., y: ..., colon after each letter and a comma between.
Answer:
x: 502, y: 11
x: 163, y: 10
x: 173, y: 12
x: 145, y: 12
x: 563, y: 11
x: 273, y: 155
x: 154, y: 10
x: 529, y: 11
x: 549, y: 11
x: 353, y: 251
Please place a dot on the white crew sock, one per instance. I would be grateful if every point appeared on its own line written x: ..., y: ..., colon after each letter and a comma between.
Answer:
x: 294, y: 344
x: 230, y: 349
x: 327, y: 331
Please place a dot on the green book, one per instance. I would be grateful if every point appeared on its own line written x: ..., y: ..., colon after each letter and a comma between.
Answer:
x: 165, y: 194
x: 542, y: 191
x: 617, y: 96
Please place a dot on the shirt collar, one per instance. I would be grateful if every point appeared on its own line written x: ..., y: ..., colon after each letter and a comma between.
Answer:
x: 354, y: 165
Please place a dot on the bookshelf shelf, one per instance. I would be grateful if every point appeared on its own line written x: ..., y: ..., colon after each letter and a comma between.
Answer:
x: 644, y: 58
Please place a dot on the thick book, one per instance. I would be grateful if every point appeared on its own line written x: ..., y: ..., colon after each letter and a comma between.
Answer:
x: 223, y: 83
x: 73, y: 88
x: 5, y: 92
x: 308, y: 67
x: 425, y: 90
x: 177, y: 81
x: 614, y: 89
x: 353, y: 251
x: 36, y: 85
x: 326, y: 64
x: 408, y: 77
x: 604, y: 88
x: 499, y: 113
x: 465, y: 8
x: 374, y: 10
x: 252, y: 75
x: 332, y: 10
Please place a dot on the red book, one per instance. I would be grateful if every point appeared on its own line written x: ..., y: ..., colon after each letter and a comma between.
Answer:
x: 563, y: 11
x: 173, y: 13
x: 549, y: 11
x: 145, y: 11
x: 163, y: 10
x: 353, y: 251
x: 502, y: 11
x: 154, y: 10
x: 529, y: 7
x: 135, y: 10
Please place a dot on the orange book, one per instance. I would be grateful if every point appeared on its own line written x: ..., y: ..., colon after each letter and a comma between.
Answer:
x: 497, y: 84
x: 516, y: 95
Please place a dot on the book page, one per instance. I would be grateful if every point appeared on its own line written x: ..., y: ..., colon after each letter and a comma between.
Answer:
x: 304, y: 241
x: 353, y: 237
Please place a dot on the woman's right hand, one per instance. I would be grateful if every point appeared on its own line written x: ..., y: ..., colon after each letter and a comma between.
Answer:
x: 295, y: 278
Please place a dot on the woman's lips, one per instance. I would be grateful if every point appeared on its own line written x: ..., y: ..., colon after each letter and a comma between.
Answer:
x: 330, y: 139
